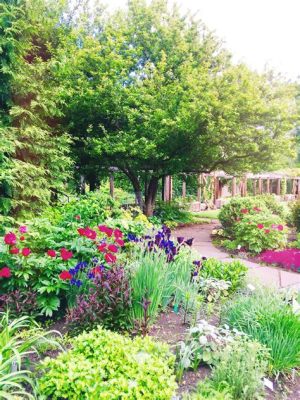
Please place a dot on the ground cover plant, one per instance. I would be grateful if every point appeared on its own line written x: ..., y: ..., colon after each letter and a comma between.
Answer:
x: 266, y: 316
x: 287, y: 258
x: 106, y: 365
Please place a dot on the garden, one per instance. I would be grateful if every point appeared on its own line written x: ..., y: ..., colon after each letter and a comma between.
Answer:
x: 98, y: 302
x: 101, y: 295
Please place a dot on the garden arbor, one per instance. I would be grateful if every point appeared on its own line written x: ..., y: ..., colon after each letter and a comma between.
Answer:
x: 225, y: 185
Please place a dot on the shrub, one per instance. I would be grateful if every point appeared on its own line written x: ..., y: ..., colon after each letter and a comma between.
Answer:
x: 260, y: 232
x: 106, y: 365
x: 273, y: 205
x: 233, y: 272
x: 173, y: 213
x: 206, y: 391
x: 107, y: 302
x: 296, y: 215
x: 240, y: 368
x: 235, y: 210
x: 267, y: 317
x: 19, y: 302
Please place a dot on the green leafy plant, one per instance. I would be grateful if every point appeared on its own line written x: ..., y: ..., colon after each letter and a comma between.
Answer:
x: 240, y: 367
x: 233, y: 272
x: 256, y: 233
x: 16, y: 345
x: 295, y: 212
x: 267, y: 317
x: 206, y: 391
x: 102, y: 364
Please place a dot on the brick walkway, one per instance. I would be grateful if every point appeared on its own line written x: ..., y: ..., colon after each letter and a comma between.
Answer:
x: 272, y: 276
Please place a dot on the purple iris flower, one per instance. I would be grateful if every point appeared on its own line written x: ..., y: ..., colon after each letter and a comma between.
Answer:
x: 180, y: 239
x: 189, y: 242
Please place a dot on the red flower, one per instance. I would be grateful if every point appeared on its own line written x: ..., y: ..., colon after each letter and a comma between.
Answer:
x: 51, y: 253
x: 267, y: 230
x: 5, y: 272
x: 14, y: 250
x: 102, y: 247
x: 105, y: 229
x: 260, y: 226
x: 109, y: 232
x: 102, y: 228
x: 280, y: 227
x: 110, y: 258
x: 257, y: 209
x: 65, y: 275
x: 65, y: 254
x: 81, y: 231
x: 120, y: 242
x: 10, y: 239
x: 244, y: 211
x: 77, y: 217
x: 113, y: 248
x: 118, y: 234
x: 26, y: 251
x: 90, y: 233
x: 23, y: 229
x: 22, y: 238
x: 96, y: 271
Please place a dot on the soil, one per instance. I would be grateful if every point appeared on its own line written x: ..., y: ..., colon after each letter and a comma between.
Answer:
x: 170, y: 329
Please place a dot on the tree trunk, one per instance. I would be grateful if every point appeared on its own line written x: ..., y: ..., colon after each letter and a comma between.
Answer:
x: 151, y: 196
x: 139, y: 198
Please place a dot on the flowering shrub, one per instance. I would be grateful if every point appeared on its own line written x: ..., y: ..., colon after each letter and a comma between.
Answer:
x: 237, y: 208
x: 106, y: 365
x: 260, y: 232
x: 287, y: 258
x: 51, y: 273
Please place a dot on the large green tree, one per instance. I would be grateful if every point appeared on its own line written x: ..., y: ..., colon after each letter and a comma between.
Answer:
x: 35, y: 148
x: 153, y: 93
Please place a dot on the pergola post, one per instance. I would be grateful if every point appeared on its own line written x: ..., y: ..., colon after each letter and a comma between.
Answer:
x: 199, y: 189
x: 245, y: 186
x: 166, y: 188
x: 260, y: 186
x: 233, y: 189
x: 268, y: 185
x: 294, y: 187
x: 183, y: 188
x: 254, y: 187
x: 298, y: 189
x: 278, y: 191
x: 111, y: 184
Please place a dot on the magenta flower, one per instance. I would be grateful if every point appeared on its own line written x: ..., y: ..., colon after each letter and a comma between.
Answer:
x: 23, y: 229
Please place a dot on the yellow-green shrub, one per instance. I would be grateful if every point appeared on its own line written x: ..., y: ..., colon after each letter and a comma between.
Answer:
x: 106, y: 365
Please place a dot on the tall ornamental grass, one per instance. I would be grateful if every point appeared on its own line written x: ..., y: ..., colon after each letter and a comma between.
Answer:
x: 267, y: 317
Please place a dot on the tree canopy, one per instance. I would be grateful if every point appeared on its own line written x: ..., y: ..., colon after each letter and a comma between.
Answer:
x: 145, y: 90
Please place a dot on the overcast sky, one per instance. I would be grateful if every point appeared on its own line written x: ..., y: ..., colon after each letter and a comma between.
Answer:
x: 258, y: 32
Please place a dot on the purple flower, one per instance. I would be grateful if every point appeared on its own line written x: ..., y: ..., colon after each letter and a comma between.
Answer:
x: 189, y: 242
x: 197, y: 263
x: 180, y: 239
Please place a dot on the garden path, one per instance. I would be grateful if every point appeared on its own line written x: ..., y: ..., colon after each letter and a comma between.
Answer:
x: 271, y: 276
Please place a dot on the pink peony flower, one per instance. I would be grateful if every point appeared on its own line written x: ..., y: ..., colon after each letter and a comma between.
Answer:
x: 23, y: 229
x: 14, y: 250
x: 260, y: 226
x: 26, y: 251
x: 5, y: 272
x: 51, y: 253
x: 10, y: 239
x: 65, y: 254
x: 110, y: 258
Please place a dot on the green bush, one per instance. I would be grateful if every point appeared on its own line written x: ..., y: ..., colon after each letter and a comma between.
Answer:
x: 259, y: 232
x: 172, y: 213
x: 240, y: 368
x: 232, y: 212
x: 106, y: 365
x: 206, y: 391
x: 296, y: 215
x: 233, y: 272
x: 267, y: 317
x: 237, y: 208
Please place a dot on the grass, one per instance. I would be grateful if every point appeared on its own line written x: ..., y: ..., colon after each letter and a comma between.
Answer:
x: 268, y: 318
x: 208, y: 214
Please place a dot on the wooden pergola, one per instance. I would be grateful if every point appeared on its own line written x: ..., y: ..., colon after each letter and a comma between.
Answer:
x: 262, y: 183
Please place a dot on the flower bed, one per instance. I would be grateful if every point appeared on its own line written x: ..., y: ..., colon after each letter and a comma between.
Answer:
x: 287, y: 258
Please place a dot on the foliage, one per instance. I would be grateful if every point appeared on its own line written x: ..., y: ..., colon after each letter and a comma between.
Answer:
x: 15, y: 379
x: 150, y: 80
x: 273, y: 205
x: 232, y: 212
x: 212, y: 289
x: 35, y: 145
x: 256, y: 233
x: 296, y: 215
x: 241, y: 367
x: 233, y: 272
x: 19, y: 302
x: 202, y: 345
x: 172, y: 214
x: 267, y: 317
x: 106, y: 365
x: 107, y: 302
x: 206, y: 391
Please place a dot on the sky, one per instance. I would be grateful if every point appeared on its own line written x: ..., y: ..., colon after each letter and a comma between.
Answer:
x: 258, y: 32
